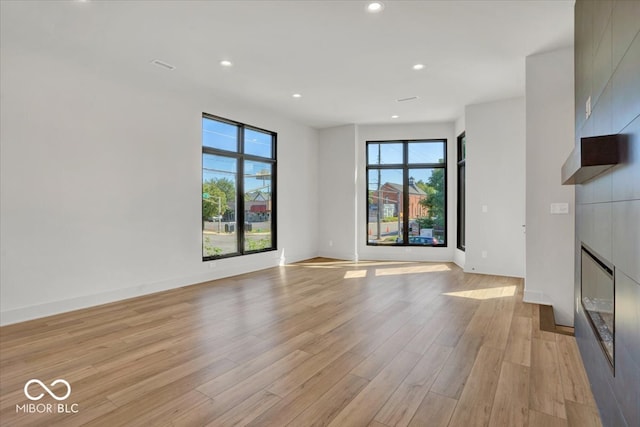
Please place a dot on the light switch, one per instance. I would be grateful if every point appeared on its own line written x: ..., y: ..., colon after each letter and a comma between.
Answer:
x: 559, y: 208
x: 587, y: 108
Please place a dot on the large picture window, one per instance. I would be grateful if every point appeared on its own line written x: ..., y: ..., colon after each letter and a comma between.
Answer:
x: 238, y: 189
x: 406, y: 193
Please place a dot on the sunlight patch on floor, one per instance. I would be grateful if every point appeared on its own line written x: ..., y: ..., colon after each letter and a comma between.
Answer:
x: 354, y: 274
x: 414, y: 269
x: 487, y: 293
x: 353, y: 264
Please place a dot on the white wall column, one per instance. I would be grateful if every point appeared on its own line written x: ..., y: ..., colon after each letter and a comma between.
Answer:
x: 550, y: 205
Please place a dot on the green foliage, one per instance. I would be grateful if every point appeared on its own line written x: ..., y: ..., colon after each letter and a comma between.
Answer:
x: 254, y: 245
x: 227, y: 187
x: 209, y: 249
x: 425, y: 187
x: 434, y: 201
x: 390, y: 219
x: 426, y: 222
x: 214, y: 199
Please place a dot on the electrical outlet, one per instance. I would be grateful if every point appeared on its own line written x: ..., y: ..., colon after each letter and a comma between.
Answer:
x: 330, y: 243
x: 484, y: 254
x: 213, y: 264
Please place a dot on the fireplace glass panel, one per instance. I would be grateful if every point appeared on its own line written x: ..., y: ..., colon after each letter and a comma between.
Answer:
x: 598, y: 299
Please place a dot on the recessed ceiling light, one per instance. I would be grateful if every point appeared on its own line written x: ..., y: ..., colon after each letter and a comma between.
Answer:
x: 418, y: 67
x: 375, y: 7
x: 297, y: 95
x: 394, y: 116
x: 226, y: 63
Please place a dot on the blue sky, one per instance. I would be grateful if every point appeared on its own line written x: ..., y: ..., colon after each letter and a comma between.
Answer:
x: 224, y: 136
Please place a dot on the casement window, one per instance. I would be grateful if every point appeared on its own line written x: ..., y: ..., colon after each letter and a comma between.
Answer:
x: 238, y: 188
x: 407, y: 193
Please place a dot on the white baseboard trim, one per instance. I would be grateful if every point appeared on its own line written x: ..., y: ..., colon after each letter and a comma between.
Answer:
x: 346, y: 256
x: 536, y: 297
x: 23, y: 314
x: 459, y: 258
x: 77, y: 303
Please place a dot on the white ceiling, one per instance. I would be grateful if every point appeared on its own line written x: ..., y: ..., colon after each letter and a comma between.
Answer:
x: 350, y: 66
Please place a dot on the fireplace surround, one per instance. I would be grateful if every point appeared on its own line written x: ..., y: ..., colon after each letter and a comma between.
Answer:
x: 598, y: 299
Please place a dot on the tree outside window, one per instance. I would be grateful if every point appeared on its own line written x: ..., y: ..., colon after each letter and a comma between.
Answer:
x: 406, y: 187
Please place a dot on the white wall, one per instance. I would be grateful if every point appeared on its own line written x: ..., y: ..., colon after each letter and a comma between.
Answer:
x: 100, y: 186
x: 338, y: 207
x: 343, y: 191
x: 550, y: 136
x: 496, y: 179
x: 458, y: 256
x: 406, y: 131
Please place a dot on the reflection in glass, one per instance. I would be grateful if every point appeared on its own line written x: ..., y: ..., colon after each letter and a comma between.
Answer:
x: 258, y: 143
x: 385, y: 154
x: 385, y: 201
x: 220, y: 135
x: 426, y: 206
x: 598, y: 300
x: 257, y: 205
x: 218, y: 205
x: 461, y: 207
x: 464, y: 147
x: 406, y: 193
x: 426, y: 152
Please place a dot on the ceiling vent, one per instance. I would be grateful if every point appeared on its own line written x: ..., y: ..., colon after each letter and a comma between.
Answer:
x: 163, y: 64
x: 411, y: 98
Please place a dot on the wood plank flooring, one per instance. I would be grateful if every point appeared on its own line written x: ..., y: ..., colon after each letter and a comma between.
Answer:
x: 317, y: 343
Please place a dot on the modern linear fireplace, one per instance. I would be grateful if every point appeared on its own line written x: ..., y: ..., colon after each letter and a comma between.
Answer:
x: 598, y: 299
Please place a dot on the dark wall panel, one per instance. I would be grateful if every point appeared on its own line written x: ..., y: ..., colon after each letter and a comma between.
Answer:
x: 607, y: 58
x: 626, y: 175
x: 625, y: 17
x: 601, y: 63
x: 626, y: 87
x: 627, y: 378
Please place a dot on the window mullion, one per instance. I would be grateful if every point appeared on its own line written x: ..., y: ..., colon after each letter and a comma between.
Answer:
x: 240, y: 202
x: 424, y: 202
x: 217, y: 143
x: 405, y: 194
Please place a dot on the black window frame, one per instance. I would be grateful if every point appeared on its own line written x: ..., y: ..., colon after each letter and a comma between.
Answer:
x: 406, y: 166
x: 240, y: 158
x: 462, y: 190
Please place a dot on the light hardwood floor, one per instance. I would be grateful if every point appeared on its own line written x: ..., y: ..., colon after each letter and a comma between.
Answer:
x: 321, y: 342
